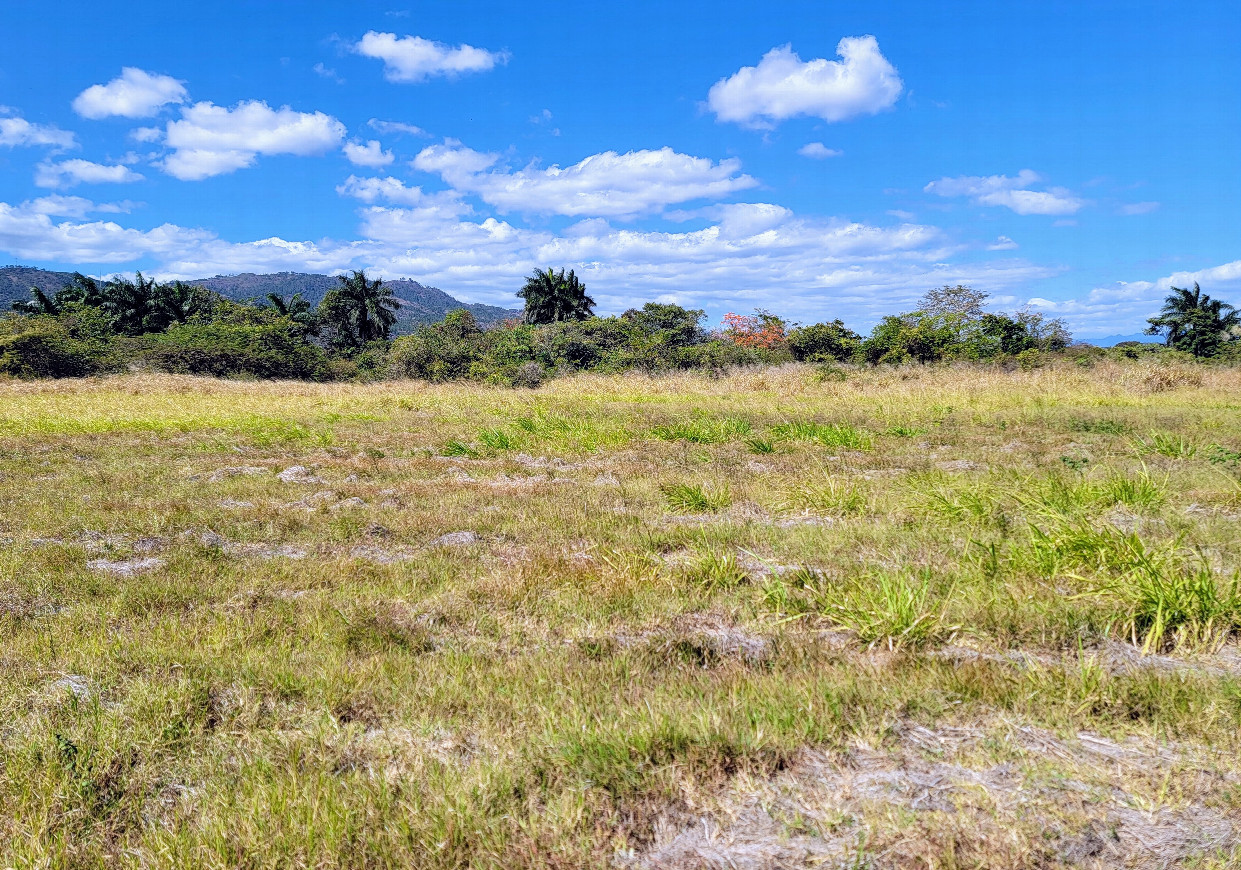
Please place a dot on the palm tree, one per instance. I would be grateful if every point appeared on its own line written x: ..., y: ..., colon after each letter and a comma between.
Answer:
x: 552, y: 297
x: 359, y: 310
x: 39, y: 303
x: 298, y: 309
x: 1195, y: 322
x: 131, y: 304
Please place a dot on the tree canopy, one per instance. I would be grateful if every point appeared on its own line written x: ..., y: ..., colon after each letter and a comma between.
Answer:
x: 1193, y: 322
x: 553, y: 297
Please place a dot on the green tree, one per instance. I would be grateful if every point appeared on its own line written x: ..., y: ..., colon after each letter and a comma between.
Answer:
x: 552, y: 297
x: 132, y: 306
x: 39, y: 303
x: 823, y: 342
x: 1193, y: 322
x: 358, y: 312
x: 298, y: 309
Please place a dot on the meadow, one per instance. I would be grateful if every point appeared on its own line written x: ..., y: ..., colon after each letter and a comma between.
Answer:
x: 912, y: 616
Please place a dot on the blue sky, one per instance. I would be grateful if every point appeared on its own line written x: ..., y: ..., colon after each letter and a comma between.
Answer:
x: 821, y: 160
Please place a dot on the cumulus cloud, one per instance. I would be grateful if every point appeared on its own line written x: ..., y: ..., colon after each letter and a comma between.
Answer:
x: 605, y: 185
x: 370, y: 155
x: 28, y: 233
x: 1124, y: 306
x: 393, y: 190
x: 783, y: 86
x: 16, y: 132
x: 146, y: 134
x: 1010, y: 193
x: 412, y: 59
x: 72, y: 206
x: 1002, y: 243
x: 134, y: 94
x: 213, y: 140
x: 69, y: 173
x: 818, y: 151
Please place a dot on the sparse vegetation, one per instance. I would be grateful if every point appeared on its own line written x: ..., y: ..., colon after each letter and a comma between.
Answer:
x: 405, y: 623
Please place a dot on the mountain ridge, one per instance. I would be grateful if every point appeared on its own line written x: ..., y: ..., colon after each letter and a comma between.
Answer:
x: 420, y: 304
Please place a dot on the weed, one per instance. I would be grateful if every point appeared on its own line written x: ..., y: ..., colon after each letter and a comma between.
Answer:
x: 696, y: 498
x: 1141, y: 492
x: 1101, y: 426
x: 832, y: 497
x: 457, y: 448
x: 1170, y: 444
x: 905, y: 431
x: 761, y: 446
x: 1173, y: 605
x: 497, y: 439
x: 889, y: 609
x: 828, y: 434
x: 703, y: 430
x: 1217, y: 454
x: 715, y: 569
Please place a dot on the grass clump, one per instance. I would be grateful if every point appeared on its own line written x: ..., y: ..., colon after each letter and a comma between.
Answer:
x: 888, y: 609
x: 1174, y: 445
x: 832, y: 497
x: 828, y: 434
x: 696, y: 498
x: 703, y: 430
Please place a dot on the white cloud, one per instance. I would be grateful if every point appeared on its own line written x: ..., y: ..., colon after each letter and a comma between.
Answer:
x: 818, y: 151
x: 146, y: 134
x: 1011, y: 193
x: 72, y: 206
x: 783, y: 86
x: 1002, y: 243
x: 326, y: 72
x: 748, y: 255
x: 1123, y: 307
x: 903, y: 215
x: 214, y: 140
x: 1136, y: 208
x: 414, y: 59
x: 15, y: 132
x: 389, y: 127
x: 393, y: 190
x: 607, y: 184
x: 68, y: 173
x: 28, y: 233
x: 134, y: 94
x: 370, y: 155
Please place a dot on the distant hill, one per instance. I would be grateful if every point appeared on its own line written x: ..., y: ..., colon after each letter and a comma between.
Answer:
x: 1113, y: 340
x: 419, y: 304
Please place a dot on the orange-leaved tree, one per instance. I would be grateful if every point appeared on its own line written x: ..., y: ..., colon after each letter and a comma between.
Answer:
x: 760, y: 329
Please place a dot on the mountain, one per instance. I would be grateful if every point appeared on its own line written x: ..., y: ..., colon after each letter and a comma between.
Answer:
x: 419, y: 304
x: 1113, y: 340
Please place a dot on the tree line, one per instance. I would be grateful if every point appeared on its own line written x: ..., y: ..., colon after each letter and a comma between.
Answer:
x: 90, y: 327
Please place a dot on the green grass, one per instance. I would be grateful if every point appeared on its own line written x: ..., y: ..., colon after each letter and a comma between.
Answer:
x: 689, y: 594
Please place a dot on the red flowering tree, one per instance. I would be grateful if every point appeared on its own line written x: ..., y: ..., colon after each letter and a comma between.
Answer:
x: 761, y: 329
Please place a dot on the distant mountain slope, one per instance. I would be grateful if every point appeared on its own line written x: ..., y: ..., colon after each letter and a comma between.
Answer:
x: 419, y: 304
x: 1113, y: 340
x: 16, y: 281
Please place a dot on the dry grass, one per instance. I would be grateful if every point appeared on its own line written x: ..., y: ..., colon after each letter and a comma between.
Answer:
x: 947, y: 617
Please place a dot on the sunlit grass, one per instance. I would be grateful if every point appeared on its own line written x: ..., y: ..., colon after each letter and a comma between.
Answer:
x: 489, y: 627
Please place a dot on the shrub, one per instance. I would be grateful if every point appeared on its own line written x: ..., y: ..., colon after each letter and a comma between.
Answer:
x: 42, y: 347
x: 274, y: 350
x: 823, y: 342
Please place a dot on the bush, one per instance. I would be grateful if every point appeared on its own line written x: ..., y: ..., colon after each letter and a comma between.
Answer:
x: 823, y: 342
x: 274, y: 350
x: 42, y: 347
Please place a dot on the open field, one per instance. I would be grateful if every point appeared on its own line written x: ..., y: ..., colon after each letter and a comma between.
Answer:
x: 915, y: 618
